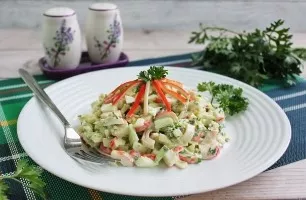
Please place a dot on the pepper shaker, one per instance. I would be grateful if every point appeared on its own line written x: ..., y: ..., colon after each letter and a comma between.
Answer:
x: 61, y: 38
x: 104, y: 33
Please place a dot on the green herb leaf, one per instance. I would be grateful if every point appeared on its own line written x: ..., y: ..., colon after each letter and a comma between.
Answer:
x: 300, y: 52
x: 29, y: 173
x: 212, y: 151
x: 3, y: 190
x: 230, y: 99
x: 251, y: 57
x: 153, y: 73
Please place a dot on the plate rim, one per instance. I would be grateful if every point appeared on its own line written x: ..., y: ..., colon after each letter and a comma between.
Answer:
x: 114, y: 191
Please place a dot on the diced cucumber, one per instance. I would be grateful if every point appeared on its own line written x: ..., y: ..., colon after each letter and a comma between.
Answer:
x: 87, y: 128
x: 113, y: 121
x: 116, y: 142
x: 153, y: 111
x: 206, y: 121
x: 148, y: 142
x: 96, y: 104
x: 186, y: 152
x: 133, y: 137
x: 139, y: 122
x: 145, y: 162
x: 181, y: 164
x: 204, y: 149
x: 140, y: 147
x: 158, y: 145
x: 89, y: 142
x: 98, y: 126
x: 87, y: 134
x: 155, y: 151
x: 120, y: 141
x: 191, y: 147
x: 106, y: 115
x: 122, y: 131
x: 152, y: 97
x: 117, y: 113
x: 106, y: 142
x: 108, y: 107
x: 102, y: 97
x: 167, y: 114
x: 164, y: 139
x: 89, y: 118
x: 161, y: 153
x: 163, y: 122
x: 177, y: 132
x: 154, y: 136
x: 96, y: 137
x: 107, y: 133
x: 189, y: 133
x: 213, y: 126
x: 170, y: 158
x: 129, y: 99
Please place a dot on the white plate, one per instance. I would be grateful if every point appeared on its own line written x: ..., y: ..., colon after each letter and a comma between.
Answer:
x: 259, y: 137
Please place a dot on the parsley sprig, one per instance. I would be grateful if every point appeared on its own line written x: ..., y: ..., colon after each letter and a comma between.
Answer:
x: 251, y: 57
x: 27, y: 172
x: 153, y: 73
x: 230, y: 99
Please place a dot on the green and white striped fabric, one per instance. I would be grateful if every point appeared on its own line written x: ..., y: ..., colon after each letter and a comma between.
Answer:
x: 14, y: 94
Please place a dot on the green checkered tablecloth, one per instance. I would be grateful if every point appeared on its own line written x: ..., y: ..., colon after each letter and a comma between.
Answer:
x: 14, y: 94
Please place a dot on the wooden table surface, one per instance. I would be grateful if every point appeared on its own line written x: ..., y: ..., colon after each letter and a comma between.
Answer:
x: 22, y: 48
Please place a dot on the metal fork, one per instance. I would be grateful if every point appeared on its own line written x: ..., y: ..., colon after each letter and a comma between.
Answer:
x: 72, y: 141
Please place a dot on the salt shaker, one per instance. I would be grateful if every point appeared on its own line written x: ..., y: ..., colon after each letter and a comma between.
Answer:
x: 104, y: 33
x: 61, y: 38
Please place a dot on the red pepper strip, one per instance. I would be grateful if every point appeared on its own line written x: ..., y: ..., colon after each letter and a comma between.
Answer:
x: 137, y: 100
x: 121, y: 94
x: 181, y: 90
x: 174, y: 94
x: 157, y: 86
x: 179, y: 84
x: 109, y: 97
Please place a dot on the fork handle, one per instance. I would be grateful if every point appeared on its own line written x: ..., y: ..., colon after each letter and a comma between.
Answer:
x: 42, y: 95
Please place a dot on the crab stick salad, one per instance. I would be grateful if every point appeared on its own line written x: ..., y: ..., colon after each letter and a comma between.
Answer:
x: 153, y: 120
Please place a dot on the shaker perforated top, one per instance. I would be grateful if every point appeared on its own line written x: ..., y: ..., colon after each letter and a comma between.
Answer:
x: 102, y: 6
x: 59, y: 12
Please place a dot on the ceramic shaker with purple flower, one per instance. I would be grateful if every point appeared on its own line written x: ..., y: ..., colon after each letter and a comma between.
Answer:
x: 104, y: 33
x: 61, y: 38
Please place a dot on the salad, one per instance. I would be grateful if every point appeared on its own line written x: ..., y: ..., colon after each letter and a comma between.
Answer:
x: 153, y: 120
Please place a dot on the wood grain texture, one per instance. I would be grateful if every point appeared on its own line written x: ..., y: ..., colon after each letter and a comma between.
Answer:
x: 169, y: 14
x: 22, y: 48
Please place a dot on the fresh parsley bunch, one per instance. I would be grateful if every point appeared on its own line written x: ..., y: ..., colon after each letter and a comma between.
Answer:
x: 249, y: 57
x: 27, y: 172
x: 229, y: 98
x: 153, y: 73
